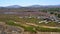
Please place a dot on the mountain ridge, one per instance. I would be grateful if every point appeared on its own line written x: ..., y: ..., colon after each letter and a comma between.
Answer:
x: 33, y: 6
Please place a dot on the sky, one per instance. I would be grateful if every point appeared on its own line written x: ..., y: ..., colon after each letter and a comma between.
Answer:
x: 28, y: 2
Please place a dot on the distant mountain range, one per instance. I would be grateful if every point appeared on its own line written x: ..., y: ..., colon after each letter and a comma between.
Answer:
x: 14, y: 6
x: 33, y: 6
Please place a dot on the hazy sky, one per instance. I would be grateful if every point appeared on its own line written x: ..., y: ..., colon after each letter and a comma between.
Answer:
x: 28, y: 2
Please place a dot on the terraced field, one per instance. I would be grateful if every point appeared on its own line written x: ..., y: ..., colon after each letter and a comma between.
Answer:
x: 30, y: 25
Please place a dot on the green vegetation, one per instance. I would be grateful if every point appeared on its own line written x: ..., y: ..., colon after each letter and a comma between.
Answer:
x: 30, y: 28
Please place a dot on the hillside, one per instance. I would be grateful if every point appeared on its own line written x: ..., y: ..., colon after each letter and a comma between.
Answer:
x: 33, y: 19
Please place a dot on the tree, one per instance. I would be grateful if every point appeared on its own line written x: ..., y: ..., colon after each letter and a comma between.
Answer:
x: 59, y: 15
x: 51, y: 12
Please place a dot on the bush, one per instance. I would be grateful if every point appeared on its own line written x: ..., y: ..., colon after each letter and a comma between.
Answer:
x: 10, y: 22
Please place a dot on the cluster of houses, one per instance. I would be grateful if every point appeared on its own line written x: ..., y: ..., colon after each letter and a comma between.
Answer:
x: 40, y: 15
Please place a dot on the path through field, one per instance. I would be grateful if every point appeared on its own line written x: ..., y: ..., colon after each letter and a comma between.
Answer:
x: 42, y: 26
